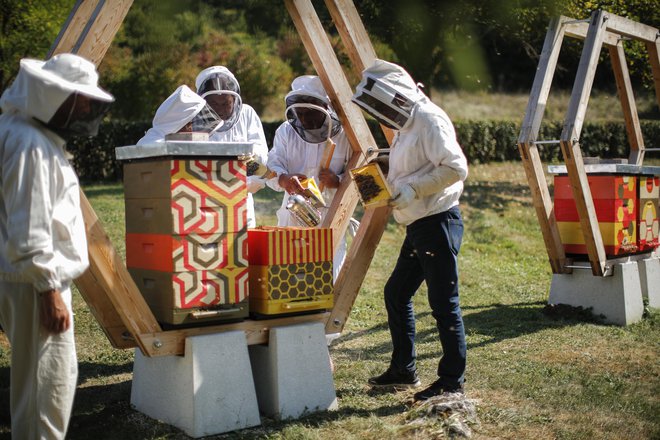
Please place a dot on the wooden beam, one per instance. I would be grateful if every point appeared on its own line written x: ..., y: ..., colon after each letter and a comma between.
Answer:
x: 579, y: 30
x: 627, y: 98
x: 630, y: 28
x: 107, y: 283
x: 355, y: 39
x: 90, y: 28
x: 334, y: 81
x: 654, y: 59
x: 358, y: 259
x: 571, y: 148
x: 538, y: 97
x: 173, y: 342
x: 528, y: 150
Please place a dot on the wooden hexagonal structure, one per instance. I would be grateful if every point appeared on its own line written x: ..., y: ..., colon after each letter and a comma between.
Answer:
x: 601, y: 29
x: 107, y: 287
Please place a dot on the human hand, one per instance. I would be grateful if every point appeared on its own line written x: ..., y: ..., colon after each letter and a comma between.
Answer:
x: 328, y: 179
x: 403, y: 196
x: 291, y: 183
x: 254, y: 184
x: 53, y: 313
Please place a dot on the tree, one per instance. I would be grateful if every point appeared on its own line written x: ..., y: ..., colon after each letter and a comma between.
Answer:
x: 28, y: 28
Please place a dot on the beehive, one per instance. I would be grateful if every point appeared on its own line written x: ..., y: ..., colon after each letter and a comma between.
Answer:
x: 290, y: 270
x: 648, y: 223
x: 615, y: 201
x: 186, y: 234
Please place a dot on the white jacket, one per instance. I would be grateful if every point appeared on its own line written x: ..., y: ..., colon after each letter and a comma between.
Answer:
x: 42, y: 233
x: 425, y: 153
x: 292, y: 155
x: 248, y: 128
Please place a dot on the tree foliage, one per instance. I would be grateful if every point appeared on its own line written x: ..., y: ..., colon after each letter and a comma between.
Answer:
x: 468, y: 44
x: 28, y: 28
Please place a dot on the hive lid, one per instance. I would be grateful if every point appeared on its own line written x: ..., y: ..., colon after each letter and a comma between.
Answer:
x: 184, y: 148
x: 610, y: 168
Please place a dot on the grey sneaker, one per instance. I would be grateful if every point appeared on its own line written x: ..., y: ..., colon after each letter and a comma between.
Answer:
x: 392, y: 379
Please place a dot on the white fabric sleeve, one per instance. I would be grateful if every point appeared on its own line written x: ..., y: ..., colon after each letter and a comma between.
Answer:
x: 442, y: 149
x: 435, y: 181
x: 256, y: 135
x: 277, y: 160
x: 27, y: 187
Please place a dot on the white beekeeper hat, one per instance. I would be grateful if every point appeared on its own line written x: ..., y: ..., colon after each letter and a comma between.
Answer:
x: 69, y: 72
x: 307, y: 85
x: 41, y: 87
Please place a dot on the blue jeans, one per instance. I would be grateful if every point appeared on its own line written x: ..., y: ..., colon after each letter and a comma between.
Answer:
x: 429, y: 253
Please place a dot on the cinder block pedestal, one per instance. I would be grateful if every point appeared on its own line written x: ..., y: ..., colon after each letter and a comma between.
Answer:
x: 292, y: 375
x: 207, y: 391
x: 649, y: 274
x: 617, y: 297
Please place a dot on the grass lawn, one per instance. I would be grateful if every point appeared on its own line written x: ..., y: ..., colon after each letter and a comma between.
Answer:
x: 533, y: 376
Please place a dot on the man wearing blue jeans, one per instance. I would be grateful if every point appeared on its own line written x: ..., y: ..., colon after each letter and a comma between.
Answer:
x: 426, y: 171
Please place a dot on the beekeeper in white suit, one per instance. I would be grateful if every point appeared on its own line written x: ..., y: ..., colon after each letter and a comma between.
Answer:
x: 182, y: 111
x: 218, y: 86
x: 427, y: 168
x: 298, y: 149
x: 43, y: 236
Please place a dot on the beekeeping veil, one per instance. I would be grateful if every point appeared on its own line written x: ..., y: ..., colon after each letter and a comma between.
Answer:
x: 309, y: 112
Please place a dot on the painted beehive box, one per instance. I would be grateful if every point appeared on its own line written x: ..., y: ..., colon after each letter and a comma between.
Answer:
x: 186, y: 237
x: 649, y: 205
x: 290, y: 270
x: 615, y: 202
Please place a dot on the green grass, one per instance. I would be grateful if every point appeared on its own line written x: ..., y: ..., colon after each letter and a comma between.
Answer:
x: 534, y: 377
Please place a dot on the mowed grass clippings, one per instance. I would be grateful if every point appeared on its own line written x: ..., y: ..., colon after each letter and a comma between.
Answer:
x: 533, y: 375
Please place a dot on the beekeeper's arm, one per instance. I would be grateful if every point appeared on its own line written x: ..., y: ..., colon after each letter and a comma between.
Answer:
x: 442, y: 149
x: 255, y: 134
x: 27, y: 187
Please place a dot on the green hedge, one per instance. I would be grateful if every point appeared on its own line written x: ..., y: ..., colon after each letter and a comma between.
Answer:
x: 482, y: 141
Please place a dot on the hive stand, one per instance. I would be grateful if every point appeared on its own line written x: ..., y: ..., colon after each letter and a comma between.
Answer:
x: 610, y: 30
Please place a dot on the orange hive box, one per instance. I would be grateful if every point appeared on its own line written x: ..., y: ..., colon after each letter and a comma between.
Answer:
x: 649, y: 206
x: 615, y: 201
x: 186, y: 237
x: 290, y: 270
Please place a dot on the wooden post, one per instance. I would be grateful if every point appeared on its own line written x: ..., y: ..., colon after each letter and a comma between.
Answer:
x: 571, y: 148
x: 529, y: 152
x: 335, y: 83
x: 654, y: 58
x: 627, y: 98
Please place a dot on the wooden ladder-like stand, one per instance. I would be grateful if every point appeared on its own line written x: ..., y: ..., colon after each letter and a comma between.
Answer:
x: 107, y: 286
x: 601, y: 29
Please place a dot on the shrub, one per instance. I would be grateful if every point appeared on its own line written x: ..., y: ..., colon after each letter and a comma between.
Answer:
x: 482, y: 141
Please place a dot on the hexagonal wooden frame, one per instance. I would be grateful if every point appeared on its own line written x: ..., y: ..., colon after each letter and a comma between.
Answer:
x: 107, y: 287
x: 601, y: 29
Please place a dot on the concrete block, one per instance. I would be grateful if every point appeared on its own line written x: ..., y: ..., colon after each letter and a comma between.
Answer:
x: 617, y: 297
x: 292, y: 375
x: 207, y: 391
x: 649, y: 275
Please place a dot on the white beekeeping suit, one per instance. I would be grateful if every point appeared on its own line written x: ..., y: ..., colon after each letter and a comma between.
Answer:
x: 241, y: 123
x: 298, y: 150
x: 43, y: 245
x: 427, y: 168
x: 183, y: 108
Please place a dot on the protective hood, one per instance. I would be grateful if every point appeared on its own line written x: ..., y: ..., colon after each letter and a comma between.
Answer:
x: 388, y: 93
x: 41, y: 87
x: 222, y: 92
x: 309, y: 112
x: 180, y: 108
